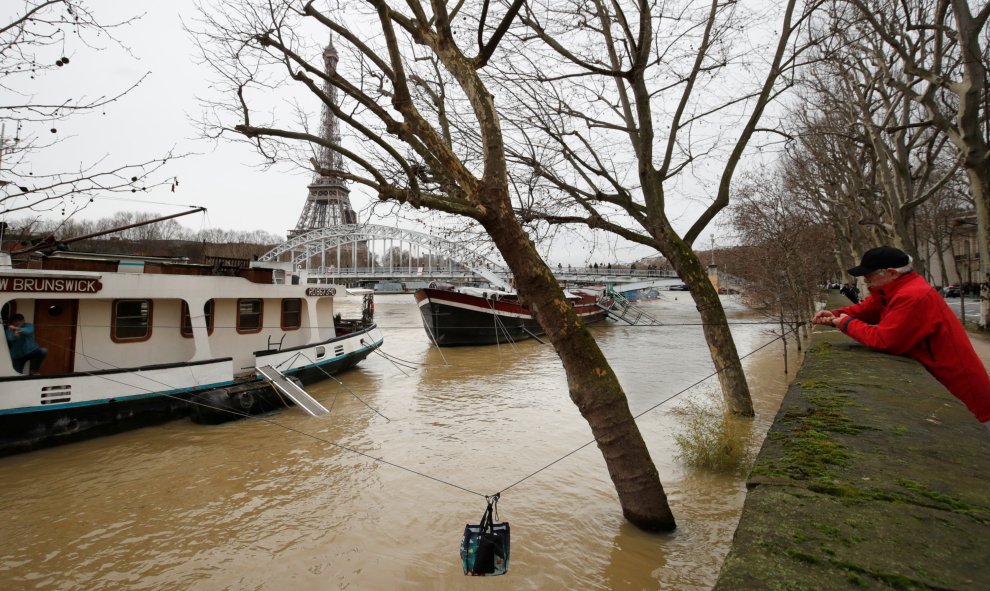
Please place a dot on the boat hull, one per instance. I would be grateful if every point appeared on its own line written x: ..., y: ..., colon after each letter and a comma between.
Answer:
x: 49, y: 410
x: 67, y: 408
x: 29, y: 431
x: 454, y: 319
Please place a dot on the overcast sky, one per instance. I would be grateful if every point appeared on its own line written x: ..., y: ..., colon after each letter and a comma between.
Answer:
x: 162, y: 114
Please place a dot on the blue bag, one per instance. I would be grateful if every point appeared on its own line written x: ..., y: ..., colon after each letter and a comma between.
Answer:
x: 485, y: 547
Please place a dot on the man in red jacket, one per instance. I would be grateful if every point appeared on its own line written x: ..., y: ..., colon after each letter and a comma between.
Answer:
x: 905, y: 316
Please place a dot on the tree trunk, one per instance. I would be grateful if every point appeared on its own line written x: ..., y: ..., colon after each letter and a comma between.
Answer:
x: 979, y: 184
x: 735, y: 390
x: 591, y: 382
x: 971, y: 139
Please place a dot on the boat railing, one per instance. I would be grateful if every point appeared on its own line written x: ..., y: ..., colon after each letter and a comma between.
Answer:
x: 275, y: 346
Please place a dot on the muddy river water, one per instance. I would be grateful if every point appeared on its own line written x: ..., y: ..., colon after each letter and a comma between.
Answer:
x: 285, y: 503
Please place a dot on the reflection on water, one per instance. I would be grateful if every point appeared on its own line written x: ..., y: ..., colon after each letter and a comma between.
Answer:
x: 258, y: 504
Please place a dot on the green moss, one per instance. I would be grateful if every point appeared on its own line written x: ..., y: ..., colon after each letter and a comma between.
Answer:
x: 810, y: 449
x: 802, y: 556
x: 938, y: 500
x: 894, y: 580
x: 821, y: 350
x: 829, y: 530
x: 857, y: 580
x: 946, y: 502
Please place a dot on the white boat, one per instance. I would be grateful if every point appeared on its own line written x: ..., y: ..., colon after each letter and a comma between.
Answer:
x: 138, y: 340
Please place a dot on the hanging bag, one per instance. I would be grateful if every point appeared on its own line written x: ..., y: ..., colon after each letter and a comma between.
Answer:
x: 485, y: 547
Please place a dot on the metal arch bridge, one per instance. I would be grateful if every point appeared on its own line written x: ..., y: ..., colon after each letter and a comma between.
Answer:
x: 307, y: 248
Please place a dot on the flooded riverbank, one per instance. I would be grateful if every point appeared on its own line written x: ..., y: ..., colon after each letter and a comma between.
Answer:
x: 275, y: 504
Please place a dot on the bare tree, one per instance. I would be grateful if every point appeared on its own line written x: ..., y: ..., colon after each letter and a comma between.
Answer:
x: 910, y: 159
x: 830, y: 173
x: 622, y: 103
x: 788, y: 255
x: 424, y: 129
x: 863, y: 153
x: 936, y: 223
x: 941, y: 64
x: 37, y: 41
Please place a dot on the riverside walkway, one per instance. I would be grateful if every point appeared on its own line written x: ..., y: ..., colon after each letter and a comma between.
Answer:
x: 872, y: 477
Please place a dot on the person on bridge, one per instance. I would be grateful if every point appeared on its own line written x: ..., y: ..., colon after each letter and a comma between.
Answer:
x: 903, y: 315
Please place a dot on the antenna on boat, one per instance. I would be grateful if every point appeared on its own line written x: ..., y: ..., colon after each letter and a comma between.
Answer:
x: 3, y: 140
x: 50, y: 242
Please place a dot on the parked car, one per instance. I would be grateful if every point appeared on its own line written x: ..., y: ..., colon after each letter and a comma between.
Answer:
x: 951, y: 291
x: 680, y: 287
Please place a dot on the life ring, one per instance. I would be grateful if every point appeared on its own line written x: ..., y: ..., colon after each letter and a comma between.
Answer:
x: 371, y: 307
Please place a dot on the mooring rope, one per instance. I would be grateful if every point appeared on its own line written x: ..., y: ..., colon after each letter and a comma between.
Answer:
x: 652, y: 408
x: 404, y: 468
x: 351, y: 392
x: 268, y: 421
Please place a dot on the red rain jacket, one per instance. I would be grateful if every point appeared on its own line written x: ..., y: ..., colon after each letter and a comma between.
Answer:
x: 909, y: 317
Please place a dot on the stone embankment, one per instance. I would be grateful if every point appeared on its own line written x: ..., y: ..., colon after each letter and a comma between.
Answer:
x: 871, y: 477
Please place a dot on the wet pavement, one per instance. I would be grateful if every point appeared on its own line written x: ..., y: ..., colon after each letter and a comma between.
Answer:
x: 972, y: 307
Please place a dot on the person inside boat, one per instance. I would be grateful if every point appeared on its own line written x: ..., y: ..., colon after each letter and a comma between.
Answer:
x: 23, y: 349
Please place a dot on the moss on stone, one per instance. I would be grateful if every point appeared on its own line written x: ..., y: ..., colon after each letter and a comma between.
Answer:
x: 946, y: 502
x: 809, y: 449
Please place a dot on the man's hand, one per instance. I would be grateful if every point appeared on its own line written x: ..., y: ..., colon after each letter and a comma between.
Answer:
x: 823, y: 317
x: 826, y: 317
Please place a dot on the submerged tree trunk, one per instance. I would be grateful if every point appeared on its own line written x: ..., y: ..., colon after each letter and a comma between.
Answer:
x: 735, y: 389
x: 592, y: 384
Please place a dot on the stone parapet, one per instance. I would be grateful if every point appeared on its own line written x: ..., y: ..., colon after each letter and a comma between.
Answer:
x: 872, y: 477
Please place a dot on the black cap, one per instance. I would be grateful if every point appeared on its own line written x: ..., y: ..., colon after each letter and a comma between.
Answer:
x: 884, y: 257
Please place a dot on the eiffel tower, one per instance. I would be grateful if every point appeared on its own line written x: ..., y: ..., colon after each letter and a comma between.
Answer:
x: 328, y: 203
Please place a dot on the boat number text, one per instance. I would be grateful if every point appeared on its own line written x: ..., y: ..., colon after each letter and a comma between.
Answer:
x: 321, y: 291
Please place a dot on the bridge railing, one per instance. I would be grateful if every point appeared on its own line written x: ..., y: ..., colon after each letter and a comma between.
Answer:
x: 415, y: 270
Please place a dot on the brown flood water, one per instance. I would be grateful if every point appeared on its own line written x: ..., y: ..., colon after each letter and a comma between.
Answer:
x: 258, y: 505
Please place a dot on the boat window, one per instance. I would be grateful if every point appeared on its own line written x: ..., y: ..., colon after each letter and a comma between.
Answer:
x: 131, y: 320
x: 249, y: 315
x: 186, y: 325
x: 291, y: 314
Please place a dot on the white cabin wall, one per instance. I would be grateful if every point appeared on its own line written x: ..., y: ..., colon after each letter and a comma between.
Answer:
x: 227, y: 341
x: 96, y: 350
x: 324, y: 312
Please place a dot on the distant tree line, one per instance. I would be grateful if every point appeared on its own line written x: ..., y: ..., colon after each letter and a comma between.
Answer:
x: 167, y: 238
x: 886, y: 140
x: 167, y: 230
